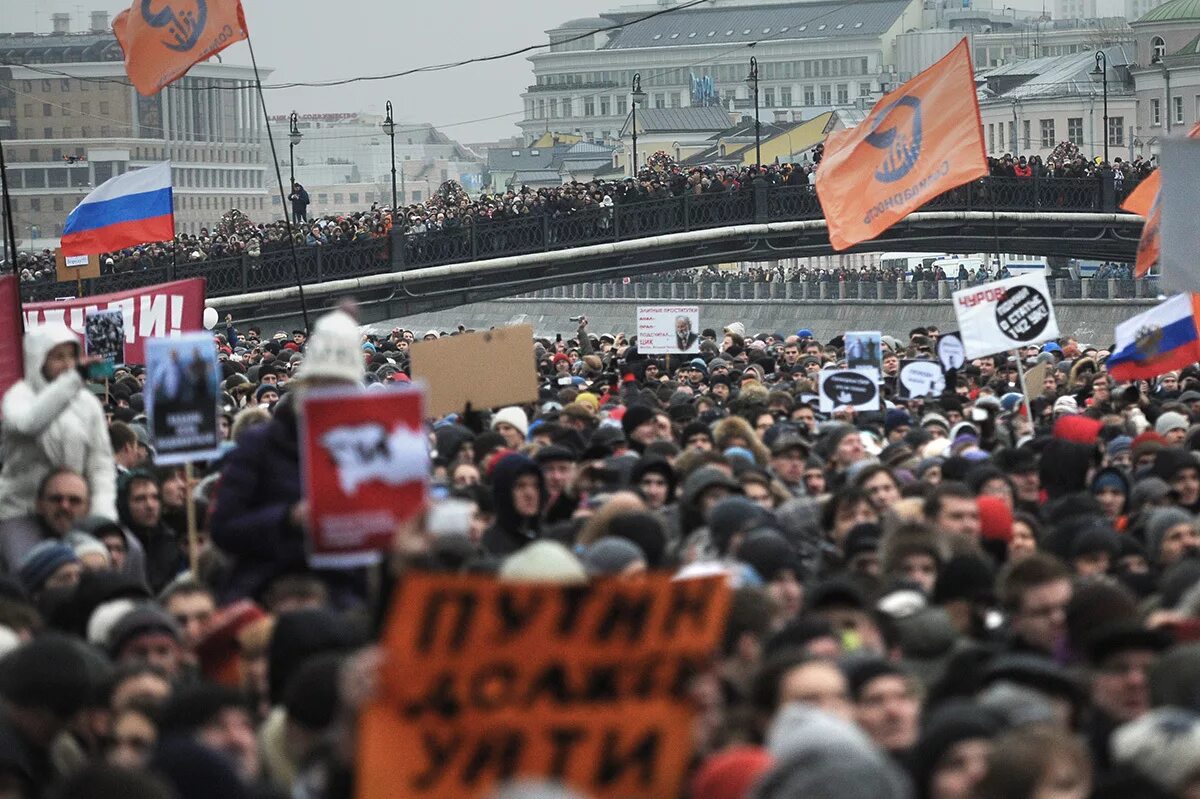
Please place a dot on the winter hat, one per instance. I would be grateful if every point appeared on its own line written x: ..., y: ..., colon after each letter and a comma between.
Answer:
x: 333, y: 351
x: 299, y: 635
x: 896, y: 417
x: 861, y: 671
x: 511, y: 415
x: 144, y: 617
x: 1109, y: 478
x: 1066, y: 404
x: 935, y: 419
x: 951, y: 723
x: 1011, y: 400
x: 543, y: 561
x: 1118, y: 445
x: 1163, y: 746
x: 1158, y: 522
x: 730, y: 773
x: 768, y: 552
x: 611, y: 555
x: 737, y: 328
x: 830, y: 438
x: 1169, y: 421
x: 1147, y: 490
x: 733, y: 515
x: 41, y: 562
x: 995, y: 518
x: 1147, y: 443
x: 862, y: 538
x: 263, y: 389
x: 1170, y: 461
x: 1079, y: 429
x: 49, y: 672
x: 635, y: 416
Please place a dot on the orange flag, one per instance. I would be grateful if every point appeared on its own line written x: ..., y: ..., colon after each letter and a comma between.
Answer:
x: 1144, y: 201
x: 919, y: 141
x: 161, y: 43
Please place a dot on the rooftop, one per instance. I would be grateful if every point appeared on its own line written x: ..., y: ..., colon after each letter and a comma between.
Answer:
x: 693, y: 119
x: 1172, y: 11
x: 59, y: 48
x: 1053, y: 76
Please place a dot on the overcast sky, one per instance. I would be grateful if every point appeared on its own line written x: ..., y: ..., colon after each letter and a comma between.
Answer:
x: 320, y: 40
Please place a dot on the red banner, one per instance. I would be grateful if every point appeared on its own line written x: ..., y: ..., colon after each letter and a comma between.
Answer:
x: 365, y: 461
x: 167, y: 309
x: 12, y: 352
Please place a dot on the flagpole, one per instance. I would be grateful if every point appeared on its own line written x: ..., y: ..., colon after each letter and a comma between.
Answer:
x: 1025, y: 391
x: 10, y: 234
x: 287, y: 218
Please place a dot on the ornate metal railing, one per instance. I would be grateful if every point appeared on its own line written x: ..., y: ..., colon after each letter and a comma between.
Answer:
x: 532, y: 233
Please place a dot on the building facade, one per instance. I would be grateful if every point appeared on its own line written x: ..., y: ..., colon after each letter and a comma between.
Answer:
x: 64, y: 136
x: 1167, y: 72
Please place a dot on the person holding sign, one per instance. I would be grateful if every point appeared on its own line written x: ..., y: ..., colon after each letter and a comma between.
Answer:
x: 261, y: 514
x: 50, y: 422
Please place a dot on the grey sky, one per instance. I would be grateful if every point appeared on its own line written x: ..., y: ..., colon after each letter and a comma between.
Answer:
x: 324, y: 39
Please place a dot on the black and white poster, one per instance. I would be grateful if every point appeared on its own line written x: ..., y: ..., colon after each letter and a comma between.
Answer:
x: 182, y: 394
x: 857, y: 388
x: 104, y: 337
x: 920, y: 378
x: 1005, y: 314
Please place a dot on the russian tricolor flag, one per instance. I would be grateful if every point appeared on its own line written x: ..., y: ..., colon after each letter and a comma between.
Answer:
x: 130, y: 209
x: 1160, y: 340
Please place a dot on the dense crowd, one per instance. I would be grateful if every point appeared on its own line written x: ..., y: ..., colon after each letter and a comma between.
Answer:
x: 947, y: 598
x: 451, y: 208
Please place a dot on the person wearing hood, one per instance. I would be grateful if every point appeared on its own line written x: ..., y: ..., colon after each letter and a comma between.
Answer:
x: 1180, y: 469
x: 1111, y: 489
x: 52, y: 421
x: 519, y: 491
x: 260, y: 514
x: 139, y: 505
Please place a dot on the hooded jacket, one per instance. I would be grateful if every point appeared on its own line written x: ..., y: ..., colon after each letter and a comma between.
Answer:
x: 55, y: 425
x: 511, y: 531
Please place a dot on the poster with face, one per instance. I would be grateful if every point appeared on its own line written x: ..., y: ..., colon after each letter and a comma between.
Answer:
x: 668, y: 329
x: 104, y: 337
x: 864, y: 350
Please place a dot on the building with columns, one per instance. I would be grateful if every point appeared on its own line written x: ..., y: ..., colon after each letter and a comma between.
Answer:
x: 65, y: 135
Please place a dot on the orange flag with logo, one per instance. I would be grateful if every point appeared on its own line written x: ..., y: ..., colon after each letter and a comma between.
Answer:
x: 163, y: 40
x: 919, y: 141
x: 1143, y: 201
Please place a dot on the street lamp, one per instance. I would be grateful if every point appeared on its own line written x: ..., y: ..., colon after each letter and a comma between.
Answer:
x: 294, y: 137
x: 637, y: 98
x: 752, y: 81
x: 389, y: 127
x: 1102, y: 70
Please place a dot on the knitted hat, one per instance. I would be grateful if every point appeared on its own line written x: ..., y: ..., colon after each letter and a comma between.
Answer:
x: 1163, y: 746
x: 511, y: 415
x: 951, y: 723
x: 611, y: 555
x: 636, y: 416
x: 1170, y: 421
x: 1170, y: 461
x: 1118, y: 445
x: 1066, y: 404
x: 41, y: 562
x: 862, y: 671
x: 1158, y: 522
x: 768, y: 553
x: 144, y: 618
x: 730, y: 773
x: 333, y: 351
x: 1147, y: 443
x: 896, y: 417
x: 830, y: 438
x: 263, y: 389
x: 543, y: 562
x: 995, y: 518
x: 1079, y: 429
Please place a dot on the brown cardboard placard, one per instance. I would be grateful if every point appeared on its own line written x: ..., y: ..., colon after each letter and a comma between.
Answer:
x: 68, y: 269
x: 489, y: 369
x: 1034, y: 376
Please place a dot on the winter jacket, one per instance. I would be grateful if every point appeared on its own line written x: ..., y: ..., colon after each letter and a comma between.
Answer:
x: 510, y: 531
x: 48, y: 426
x: 251, y: 520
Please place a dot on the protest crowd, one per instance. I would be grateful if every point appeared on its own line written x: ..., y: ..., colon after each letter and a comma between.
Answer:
x: 944, y: 598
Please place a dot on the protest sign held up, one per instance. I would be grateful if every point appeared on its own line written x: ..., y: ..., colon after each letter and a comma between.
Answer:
x: 668, y: 329
x: 451, y: 367
x: 486, y: 681
x: 1005, y: 314
x: 182, y: 392
x: 104, y: 336
x: 857, y: 388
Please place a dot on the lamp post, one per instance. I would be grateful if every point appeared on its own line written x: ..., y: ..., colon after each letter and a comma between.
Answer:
x: 389, y: 127
x: 637, y: 97
x: 1016, y: 124
x: 294, y: 137
x: 752, y: 81
x: 1102, y: 70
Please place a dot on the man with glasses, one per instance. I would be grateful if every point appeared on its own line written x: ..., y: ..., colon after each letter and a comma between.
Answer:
x: 62, y: 501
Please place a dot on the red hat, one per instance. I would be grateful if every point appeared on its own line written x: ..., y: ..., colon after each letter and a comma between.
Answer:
x: 218, y: 651
x: 561, y: 356
x: 1078, y: 429
x: 730, y: 774
x: 995, y: 518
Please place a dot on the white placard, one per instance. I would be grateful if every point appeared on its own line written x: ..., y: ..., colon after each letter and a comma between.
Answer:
x: 950, y: 351
x: 1005, y: 314
x: 668, y: 329
x: 920, y: 378
x: 858, y: 388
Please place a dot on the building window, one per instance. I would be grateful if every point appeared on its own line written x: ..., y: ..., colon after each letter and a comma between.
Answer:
x: 826, y: 96
x: 769, y: 98
x: 1075, y: 131
x: 589, y: 107
x: 1155, y: 111
x: 605, y: 106
x: 47, y: 133
x: 46, y: 86
x: 1177, y: 110
x: 64, y: 84
x: 785, y: 96
x: 58, y: 204
x: 46, y: 109
x: 843, y: 93
x: 864, y: 90
x: 35, y: 154
x: 1116, y: 131
x: 660, y: 100
x: 676, y: 100
x: 1047, y: 126
x: 992, y: 137
x: 1010, y: 130
x: 1158, y: 49
x: 566, y: 106
x: 1026, y: 127
x: 416, y: 197
x: 104, y: 108
x: 810, y: 97
x: 354, y: 198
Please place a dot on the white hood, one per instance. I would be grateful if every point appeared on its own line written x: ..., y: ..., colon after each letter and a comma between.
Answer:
x: 38, y: 343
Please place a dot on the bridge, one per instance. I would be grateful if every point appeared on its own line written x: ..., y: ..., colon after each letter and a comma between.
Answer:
x: 488, y: 259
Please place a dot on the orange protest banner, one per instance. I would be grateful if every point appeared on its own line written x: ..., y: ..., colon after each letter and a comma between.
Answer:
x: 487, y: 681
x: 162, y: 43
x: 919, y: 141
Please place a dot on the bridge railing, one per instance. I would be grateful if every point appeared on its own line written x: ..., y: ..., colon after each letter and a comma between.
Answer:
x: 532, y: 233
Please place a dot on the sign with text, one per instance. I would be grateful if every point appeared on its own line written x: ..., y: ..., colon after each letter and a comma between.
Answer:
x: 168, y: 309
x: 182, y: 393
x: 104, y: 337
x: 488, y: 370
x: 668, y: 329
x: 1005, y: 314
x: 485, y: 681
x: 920, y: 378
x: 365, y: 465
x: 69, y: 268
x: 857, y: 388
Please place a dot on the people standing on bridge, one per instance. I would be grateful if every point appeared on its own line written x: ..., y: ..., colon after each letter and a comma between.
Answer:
x: 300, y: 201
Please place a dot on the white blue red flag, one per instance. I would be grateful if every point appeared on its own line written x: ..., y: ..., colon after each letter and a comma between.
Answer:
x: 130, y: 209
x: 1159, y: 340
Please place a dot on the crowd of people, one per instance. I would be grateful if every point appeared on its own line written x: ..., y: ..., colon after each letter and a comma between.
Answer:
x: 450, y: 209
x: 950, y: 597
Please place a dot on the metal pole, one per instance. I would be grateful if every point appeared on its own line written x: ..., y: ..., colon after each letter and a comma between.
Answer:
x: 10, y: 232
x: 757, y: 122
x: 1102, y: 68
x: 1024, y: 389
x: 390, y: 122
x: 1016, y: 125
x: 633, y: 166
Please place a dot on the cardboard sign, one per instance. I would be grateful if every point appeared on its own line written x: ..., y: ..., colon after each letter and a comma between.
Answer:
x: 104, y: 336
x: 70, y: 268
x: 167, y: 309
x: 489, y: 370
x: 920, y: 378
x: 1005, y: 314
x: 950, y: 351
x: 365, y: 462
x: 182, y: 394
x: 858, y: 388
x: 864, y: 350
x: 12, y: 350
x: 1034, y: 377
x: 485, y: 681
x: 668, y: 329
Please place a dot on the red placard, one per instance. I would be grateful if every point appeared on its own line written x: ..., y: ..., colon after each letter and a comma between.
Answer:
x: 366, y: 467
x: 167, y: 309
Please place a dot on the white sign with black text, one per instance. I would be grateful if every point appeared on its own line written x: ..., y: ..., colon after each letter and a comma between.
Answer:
x: 668, y: 329
x: 857, y: 388
x: 1004, y: 315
